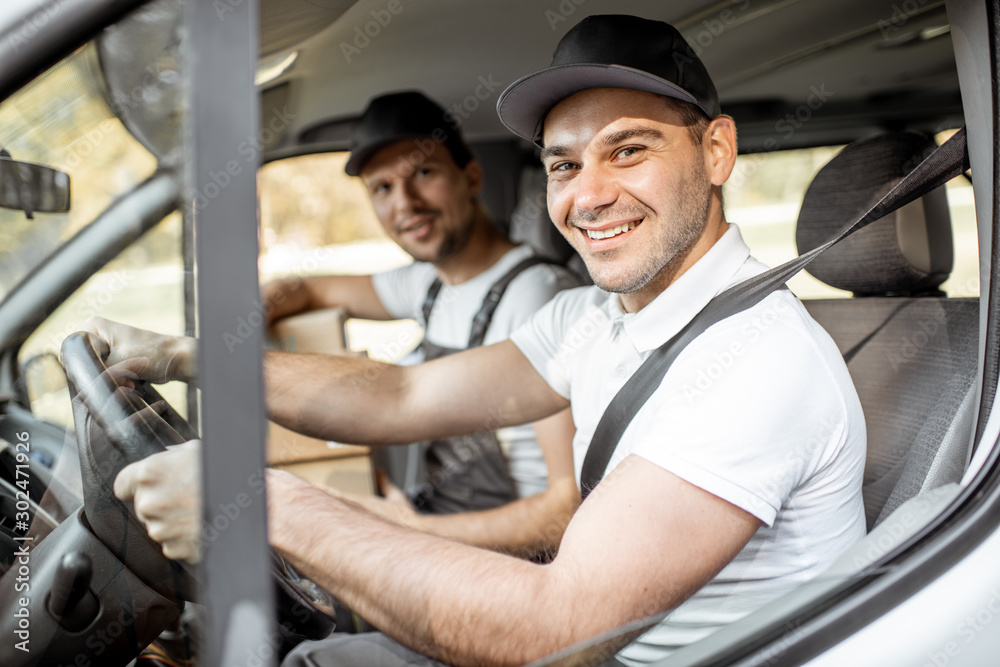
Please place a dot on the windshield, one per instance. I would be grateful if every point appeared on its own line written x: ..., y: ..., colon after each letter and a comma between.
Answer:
x: 61, y: 120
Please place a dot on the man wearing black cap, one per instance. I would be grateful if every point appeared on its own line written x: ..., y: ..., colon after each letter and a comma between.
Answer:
x: 736, y: 480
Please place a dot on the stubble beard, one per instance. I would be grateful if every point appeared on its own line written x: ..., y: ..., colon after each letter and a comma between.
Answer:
x: 453, y: 241
x: 614, y: 273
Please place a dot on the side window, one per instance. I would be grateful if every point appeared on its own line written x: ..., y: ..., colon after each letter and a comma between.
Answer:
x: 765, y: 192
x: 142, y: 287
x: 315, y: 219
x: 63, y: 120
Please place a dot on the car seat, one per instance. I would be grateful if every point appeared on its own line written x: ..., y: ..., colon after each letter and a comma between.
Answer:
x: 910, y: 349
x: 530, y: 224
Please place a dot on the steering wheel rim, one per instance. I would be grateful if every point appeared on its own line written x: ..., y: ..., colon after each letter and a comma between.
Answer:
x: 132, y: 431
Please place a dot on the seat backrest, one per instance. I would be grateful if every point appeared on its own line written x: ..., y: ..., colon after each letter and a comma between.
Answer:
x: 911, y: 351
x: 530, y: 223
x: 913, y: 361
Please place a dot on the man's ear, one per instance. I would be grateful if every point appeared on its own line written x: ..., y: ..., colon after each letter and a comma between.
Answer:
x: 474, y: 176
x: 719, y: 143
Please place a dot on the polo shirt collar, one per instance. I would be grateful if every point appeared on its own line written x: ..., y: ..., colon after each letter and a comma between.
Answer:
x: 673, y: 308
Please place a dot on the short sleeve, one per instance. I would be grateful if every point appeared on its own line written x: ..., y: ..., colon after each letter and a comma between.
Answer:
x: 402, y: 290
x: 555, y: 337
x: 744, y: 416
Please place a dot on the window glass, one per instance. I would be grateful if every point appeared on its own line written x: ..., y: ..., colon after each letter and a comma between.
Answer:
x: 315, y: 219
x: 142, y: 287
x: 61, y: 120
x: 765, y: 192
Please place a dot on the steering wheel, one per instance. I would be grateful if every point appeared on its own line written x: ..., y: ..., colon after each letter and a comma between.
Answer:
x: 115, y: 427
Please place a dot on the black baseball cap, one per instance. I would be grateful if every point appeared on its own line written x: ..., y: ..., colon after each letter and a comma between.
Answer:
x: 610, y: 51
x: 397, y: 117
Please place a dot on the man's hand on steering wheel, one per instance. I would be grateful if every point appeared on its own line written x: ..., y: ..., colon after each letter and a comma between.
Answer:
x: 165, y: 491
x: 104, y: 367
x: 166, y: 358
x: 164, y: 488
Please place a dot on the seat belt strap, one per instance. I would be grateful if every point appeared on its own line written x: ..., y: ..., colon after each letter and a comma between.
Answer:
x: 946, y: 162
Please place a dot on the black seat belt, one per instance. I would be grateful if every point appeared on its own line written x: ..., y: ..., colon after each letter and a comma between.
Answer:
x: 946, y: 162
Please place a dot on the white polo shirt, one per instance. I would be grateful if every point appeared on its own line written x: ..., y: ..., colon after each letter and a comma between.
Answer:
x: 759, y: 411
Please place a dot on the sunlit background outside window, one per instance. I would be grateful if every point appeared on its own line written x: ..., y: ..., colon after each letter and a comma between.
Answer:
x: 62, y: 120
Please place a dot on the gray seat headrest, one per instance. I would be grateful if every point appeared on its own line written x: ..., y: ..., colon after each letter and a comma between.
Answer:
x: 907, y: 252
x: 529, y: 222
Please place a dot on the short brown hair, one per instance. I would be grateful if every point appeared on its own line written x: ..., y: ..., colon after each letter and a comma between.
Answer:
x: 693, y: 118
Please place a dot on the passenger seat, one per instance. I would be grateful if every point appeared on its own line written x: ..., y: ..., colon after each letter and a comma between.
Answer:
x: 910, y: 349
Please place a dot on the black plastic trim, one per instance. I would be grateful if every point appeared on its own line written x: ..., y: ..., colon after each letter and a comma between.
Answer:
x: 991, y: 369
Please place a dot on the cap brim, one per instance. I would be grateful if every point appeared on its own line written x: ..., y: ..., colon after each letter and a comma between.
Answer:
x: 525, y: 103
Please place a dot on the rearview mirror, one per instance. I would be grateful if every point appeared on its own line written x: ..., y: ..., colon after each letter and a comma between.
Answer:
x: 32, y: 188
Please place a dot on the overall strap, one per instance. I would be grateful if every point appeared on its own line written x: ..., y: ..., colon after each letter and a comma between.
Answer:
x: 481, y: 322
x: 482, y: 319
x: 432, y: 295
x: 946, y: 162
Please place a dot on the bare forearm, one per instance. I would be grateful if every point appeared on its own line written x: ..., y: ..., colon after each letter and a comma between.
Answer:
x: 524, y: 527
x: 285, y: 297
x: 367, y: 402
x: 355, y: 294
x: 456, y: 603
x: 336, y: 398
